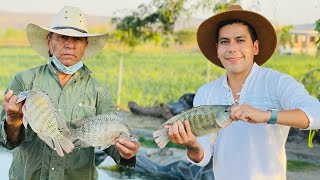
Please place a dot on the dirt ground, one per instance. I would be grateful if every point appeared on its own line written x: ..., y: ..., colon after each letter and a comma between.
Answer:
x: 295, y: 151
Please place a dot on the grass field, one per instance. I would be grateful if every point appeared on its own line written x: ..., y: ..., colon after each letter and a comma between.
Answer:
x: 149, y: 76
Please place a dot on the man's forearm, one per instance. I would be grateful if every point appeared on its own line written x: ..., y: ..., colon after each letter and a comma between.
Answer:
x: 195, y: 152
x: 13, y: 132
x: 294, y: 118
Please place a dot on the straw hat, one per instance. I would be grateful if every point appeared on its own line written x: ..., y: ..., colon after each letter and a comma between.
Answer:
x: 70, y: 21
x: 206, y: 35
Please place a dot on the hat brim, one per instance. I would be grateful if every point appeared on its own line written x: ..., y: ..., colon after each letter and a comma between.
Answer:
x: 37, y: 37
x: 206, y: 35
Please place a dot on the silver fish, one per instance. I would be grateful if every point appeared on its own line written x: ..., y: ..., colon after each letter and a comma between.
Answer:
x: 203, y: 120
x: 101, y: 131
x: 40, y: 113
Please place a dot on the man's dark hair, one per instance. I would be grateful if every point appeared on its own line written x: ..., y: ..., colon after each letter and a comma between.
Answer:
x: 49, y: 36
x: 252, y: 31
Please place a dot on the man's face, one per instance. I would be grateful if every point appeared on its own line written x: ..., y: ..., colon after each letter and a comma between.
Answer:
x: 235, y: 48
x: 69, y: 50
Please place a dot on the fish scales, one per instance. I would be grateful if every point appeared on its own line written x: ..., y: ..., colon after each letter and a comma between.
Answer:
x: 203, y: 120
x: 40, y: 113
x: 101, y: 131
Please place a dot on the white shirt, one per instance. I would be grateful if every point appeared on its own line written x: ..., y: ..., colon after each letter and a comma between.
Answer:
x: 254, y: 151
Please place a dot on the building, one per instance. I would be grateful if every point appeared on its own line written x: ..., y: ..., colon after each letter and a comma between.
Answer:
x: 304, y: 39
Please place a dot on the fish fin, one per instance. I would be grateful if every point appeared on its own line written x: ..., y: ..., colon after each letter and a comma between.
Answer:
x: 161, y: 137
x: 81, y: 144
x: 24, y: 119
x: 66, y: 145
x: 46, y: 139
x: 57, y: 148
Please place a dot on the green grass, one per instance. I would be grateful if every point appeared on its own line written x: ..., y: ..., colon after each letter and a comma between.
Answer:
x: 149, y: 77
x: 301, y: 166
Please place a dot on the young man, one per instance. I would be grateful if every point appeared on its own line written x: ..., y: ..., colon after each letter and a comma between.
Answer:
x: 71, y: 87
x: 266, y: 103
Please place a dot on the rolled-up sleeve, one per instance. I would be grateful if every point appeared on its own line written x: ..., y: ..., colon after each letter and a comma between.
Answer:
x: 3, y: 135
x: 293, y: 95
x: 207, y: 143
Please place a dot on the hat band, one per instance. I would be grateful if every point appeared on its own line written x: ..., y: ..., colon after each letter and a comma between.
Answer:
x: 68, y: 27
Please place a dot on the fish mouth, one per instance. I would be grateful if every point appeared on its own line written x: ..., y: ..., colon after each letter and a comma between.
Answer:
x: 226, y: 108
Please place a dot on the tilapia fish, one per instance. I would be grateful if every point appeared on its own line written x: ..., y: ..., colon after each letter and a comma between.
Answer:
x: 40, y: 113
x: 101, y: 131
x: 203, y: 120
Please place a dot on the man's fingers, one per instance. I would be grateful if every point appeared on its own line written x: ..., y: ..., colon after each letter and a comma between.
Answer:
x: 188, y: 128
x: 182, y: 131
x: 129, y: 144
x: 126, y: 148
x: 8, y: 95
x: 167, y: 126
x: 176, y: 133
x: 13, y: 105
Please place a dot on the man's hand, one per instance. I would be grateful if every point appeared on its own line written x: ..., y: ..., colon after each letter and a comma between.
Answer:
x: 249, y: 114
x: 180, y: 133
x: 13, y: 110
x: 127, y: 149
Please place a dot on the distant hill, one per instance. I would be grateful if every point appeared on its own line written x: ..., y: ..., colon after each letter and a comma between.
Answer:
x: 21, y: 20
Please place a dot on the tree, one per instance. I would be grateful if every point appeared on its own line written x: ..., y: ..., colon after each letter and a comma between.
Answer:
x: 284, y: 36
x: 159, y: 17
x: 317, y: 28
x: 156, y: 20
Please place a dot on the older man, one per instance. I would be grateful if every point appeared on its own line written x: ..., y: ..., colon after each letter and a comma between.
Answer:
x: 75, y: 92
x: 266, y: 103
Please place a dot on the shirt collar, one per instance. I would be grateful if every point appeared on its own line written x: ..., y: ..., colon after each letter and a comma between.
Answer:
x: 82, y: 72
x: 254, y: 69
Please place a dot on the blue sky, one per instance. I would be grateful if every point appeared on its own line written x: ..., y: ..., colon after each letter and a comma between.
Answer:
x: 281, y: 12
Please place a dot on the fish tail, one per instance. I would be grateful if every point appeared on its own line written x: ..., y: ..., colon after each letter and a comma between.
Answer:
x: 161, y: 137
x: 66, y: 145
x: 57, y: 148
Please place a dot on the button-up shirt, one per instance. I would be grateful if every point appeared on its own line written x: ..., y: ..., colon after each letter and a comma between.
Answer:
x: 81, y: 97
x: 254, y: 151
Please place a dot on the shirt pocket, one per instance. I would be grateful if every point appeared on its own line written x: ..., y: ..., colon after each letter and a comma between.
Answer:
x: 84, y: 106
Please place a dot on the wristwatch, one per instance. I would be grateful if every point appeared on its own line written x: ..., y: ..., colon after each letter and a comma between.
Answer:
x: 274, y: 116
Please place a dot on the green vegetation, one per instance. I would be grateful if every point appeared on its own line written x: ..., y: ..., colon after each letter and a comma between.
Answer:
x: 301, y: 166
x: 150, y: 75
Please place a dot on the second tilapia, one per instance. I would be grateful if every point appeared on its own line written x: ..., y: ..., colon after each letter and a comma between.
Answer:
x: 101, y: 131
x: 203, y: 120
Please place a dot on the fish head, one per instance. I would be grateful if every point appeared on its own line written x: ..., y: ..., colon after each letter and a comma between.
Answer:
x: 128, y: 134
x: 223, y: 116
x: 22, y: 96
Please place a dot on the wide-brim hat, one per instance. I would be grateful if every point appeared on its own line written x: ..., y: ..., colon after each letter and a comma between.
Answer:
x: 70, y: 21
x: 206, y: 35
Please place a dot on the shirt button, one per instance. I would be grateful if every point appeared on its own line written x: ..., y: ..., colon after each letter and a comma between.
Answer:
x: 52, y: 169
x: 60, y: 110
